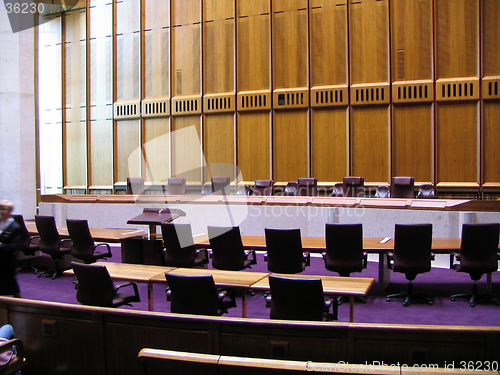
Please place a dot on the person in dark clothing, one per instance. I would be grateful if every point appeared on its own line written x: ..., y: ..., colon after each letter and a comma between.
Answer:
x: 10, y: 238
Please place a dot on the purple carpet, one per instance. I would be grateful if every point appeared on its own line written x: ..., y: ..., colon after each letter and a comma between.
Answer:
x: 439, y: 283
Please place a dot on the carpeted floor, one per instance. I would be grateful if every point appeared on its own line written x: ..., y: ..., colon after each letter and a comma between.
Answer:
x: 439, y: 283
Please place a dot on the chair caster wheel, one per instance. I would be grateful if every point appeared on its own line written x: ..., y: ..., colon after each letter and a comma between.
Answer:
x: 39, y: 275
x: 406, y: 304
x: 388, y: 299
x: 472, y: 304
x: 431, y: 303
x: 452, y: 299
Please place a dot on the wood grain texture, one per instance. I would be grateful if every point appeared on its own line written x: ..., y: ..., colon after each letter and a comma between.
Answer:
x: 101, y: 152
x: 290, y: 145
x: 457, y: 143
x: 491, y: 37
x: 491, y: 140
x: 128, y: 155
x: 254, y: 145
x: 413, y: 142
x: 156, y: 155
x: 370, y: 147
x: 329, y: 144
x: 186, y: 148
x: 219, y: 145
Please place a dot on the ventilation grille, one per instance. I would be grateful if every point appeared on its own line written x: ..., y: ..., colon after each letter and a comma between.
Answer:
x: 213, y: 103
x: 329, y: 96
x: 127, y: 110
x: 457, y: 89
x: 413, y: 92
x: 187, y: 105
x: 283, y: 99
x: 370, y: 94
x: 254, y: 100
x: 491, y: 88
x: 156, y: 107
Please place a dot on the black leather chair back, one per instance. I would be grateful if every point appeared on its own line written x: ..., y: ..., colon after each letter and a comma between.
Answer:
x: 49, y: 235
x: 344, y: 248
x: 308, y: 187
x: 402, y: 187
x: 353, y: 186
x: 284, y: 251
x: 193, y: 294
x: 220, y: 185
x: 176, y: 186
x: 227, y: 248
x: 296, y: 299
x: 95, y: 287
x: 135, y: 185
x: 291, y: 189
x: 427, y: 191
x: 179, y: 245
x: 479, y: 249
x: 412, y: 249
x: 263, y: 187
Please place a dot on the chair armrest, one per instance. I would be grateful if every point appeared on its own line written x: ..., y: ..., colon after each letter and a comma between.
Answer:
x: 108, y: 254
x: 433, y: 256
x: 16, y: 362
x: 265, y: 256
x: 205, y: 254
x: 334, y: 304
x: 251, y: 252
x: 134, y: 286
x: 365, y: 260
x: 454, y: 257
x: 307, y: 258
x: 390, y: 260
x: 35, y: 240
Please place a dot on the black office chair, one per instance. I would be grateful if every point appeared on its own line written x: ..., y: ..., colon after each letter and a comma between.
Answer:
x: 95, y: 287
x: 412, y: 255
x: 344, y: 250
x: 353, y: 186
x: 206, y: 189
x: 82, y: 243
x: 284, y: 251
x: 179, y: 247
x: 227, y: 249
x: 299, y: 299
x: 220, y: 185
x: 243, y: 190
x: 383, y: 191
x: 135, y: 185
x: 478, y: 255
x: 27, y: 247
x: 427, y: 191
x: 51, y: 243
x: 176, y: 186
x: 307, y: 187
x: 263, y: 187
x: 338, y: 190
x: 402, y: 187
x: 196, y: 294
x: 291, y: 189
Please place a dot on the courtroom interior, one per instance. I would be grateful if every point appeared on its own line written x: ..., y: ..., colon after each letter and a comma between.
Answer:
x: 341, y: 155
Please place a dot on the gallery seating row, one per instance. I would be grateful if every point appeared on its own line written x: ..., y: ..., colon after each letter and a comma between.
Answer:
x: 352, y: 186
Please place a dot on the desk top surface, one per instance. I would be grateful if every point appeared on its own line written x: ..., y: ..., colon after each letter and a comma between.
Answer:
x: 318, y: 244
x: 349, y: 286
x: 98, y: 234
x: 131, y: 272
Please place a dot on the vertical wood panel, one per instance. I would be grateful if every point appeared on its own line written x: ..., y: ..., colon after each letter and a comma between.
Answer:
x: 76, y: 77
x: 253, y: 45
x: 457, y: 147
x: 254, y: 145
x: 290, y: 62
x: 412, y: 136
x: 157, y: 150
x: 369, y: 41
x: 328, y: 43
x: 186, y: 44
x: 128, y: 146
x: 411, y: 40
x: 491, y: 142
x: 457, y: 39
x: 186, y: 148
x: 101, y: 98
x: 491, y: 44
x: 370, y: 154
x: 218, y: 141
x: 329, y: 140
x: 290, y: 151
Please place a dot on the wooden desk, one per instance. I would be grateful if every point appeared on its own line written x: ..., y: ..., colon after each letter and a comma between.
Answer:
x: 332, y: 285
x: 98, y: 234
x: 138, y: 273
x: 225, y: 279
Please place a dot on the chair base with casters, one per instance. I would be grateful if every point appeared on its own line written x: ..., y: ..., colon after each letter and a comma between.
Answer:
x: 57, y: 270
x: 409, y: 295
x: 475, y: 295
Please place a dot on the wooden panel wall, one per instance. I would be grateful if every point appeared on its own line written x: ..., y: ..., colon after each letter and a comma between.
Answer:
x: 288, y: 89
